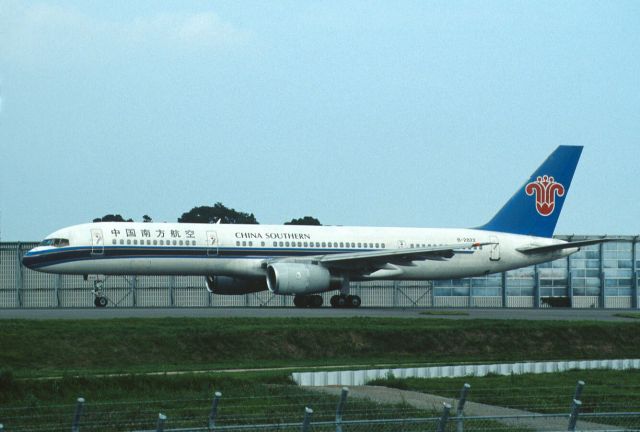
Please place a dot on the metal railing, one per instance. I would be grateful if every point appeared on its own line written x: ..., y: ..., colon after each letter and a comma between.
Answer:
x: 451, y: 418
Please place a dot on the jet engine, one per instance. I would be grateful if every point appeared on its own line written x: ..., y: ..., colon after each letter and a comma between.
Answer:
x: 293, y: 278
x: 233, y: 286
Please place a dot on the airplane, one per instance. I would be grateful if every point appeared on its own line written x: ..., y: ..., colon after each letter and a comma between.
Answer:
x: 305, y: 261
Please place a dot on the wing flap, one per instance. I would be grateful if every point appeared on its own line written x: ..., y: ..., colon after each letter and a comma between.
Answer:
x: 396, y: 256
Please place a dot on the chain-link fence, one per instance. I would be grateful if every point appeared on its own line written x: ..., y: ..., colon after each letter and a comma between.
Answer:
x: 321, y: 412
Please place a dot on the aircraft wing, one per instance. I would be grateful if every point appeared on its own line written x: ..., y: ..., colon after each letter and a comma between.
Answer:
x: 568, y: 245
x: 379, y: 258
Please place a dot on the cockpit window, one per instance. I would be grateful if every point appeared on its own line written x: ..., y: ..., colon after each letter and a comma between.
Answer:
x: 56, y: 242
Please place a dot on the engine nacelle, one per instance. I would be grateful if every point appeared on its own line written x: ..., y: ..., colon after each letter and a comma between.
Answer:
x: 226, y: 285
x: 292, y: 278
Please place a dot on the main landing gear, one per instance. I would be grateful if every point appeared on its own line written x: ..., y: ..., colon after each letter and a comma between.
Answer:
x: 345, y: 301
x: 337, y: 301
x: 310, y: 301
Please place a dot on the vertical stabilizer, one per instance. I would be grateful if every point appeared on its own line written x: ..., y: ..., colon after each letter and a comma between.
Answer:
x: 536, y: 205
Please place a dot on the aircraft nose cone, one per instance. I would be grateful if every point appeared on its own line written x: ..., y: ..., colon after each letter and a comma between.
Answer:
x: 28, y: 260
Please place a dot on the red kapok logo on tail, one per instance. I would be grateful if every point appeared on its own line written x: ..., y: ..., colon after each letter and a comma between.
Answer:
x: 545, y: 188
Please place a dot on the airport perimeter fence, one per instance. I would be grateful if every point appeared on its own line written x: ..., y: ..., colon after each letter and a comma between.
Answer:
x: 598, y: 276
x: 337, y: 411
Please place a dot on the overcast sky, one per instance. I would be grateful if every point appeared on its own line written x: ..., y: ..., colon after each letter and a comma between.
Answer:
x: 386, y: 113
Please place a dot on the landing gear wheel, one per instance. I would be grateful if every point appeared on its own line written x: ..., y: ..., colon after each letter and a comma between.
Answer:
x: 354, y: 301
x: 315, y: 301
x: 334, y: 301
x: 300, y: 301
x: 341, y: 301
x: 100, y: 302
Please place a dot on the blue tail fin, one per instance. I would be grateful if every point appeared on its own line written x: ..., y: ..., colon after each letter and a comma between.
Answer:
x: 535, y: 207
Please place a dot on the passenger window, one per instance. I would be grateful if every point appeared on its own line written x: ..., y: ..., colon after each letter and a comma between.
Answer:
x: 341, y: 244
x: 175, y: 242
x: 161, y: 242
x: 262, y: 244
x: 244, y: 243
x: 299, y: 244
x: 114, y: 241
x: 371, y: 245
x: 305, y: 244
x: 180, y: 242
x: 155, y: 242
x: 317, y: 244
x: 281, y: 244
x: 286, y: 244
x: 135, y: 242
x: 324, y: 244
x: 353, y: 244
x: 121, y: 241
x: 377, y: 245
x: 382, y: 245
x: 149, y: 242
x: 250, y: 243
x: 359, y: 245
x: 275, y: 244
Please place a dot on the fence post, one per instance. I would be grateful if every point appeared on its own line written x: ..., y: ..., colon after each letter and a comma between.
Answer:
x: 577, y: 394
x: 161, y: 419
x: 172, y: 287
x: 19, y: 276
x: 214, y: 410
x: 573, y: 417
x: 307, y: 419
x: 460, y: 408
x: 57, y: 288
x: 75, y: 426
x: 134, y: 291
x: 442, y: 423
x: 340, y: 408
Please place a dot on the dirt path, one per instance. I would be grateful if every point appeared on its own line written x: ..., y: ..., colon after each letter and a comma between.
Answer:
x: 472, y: 409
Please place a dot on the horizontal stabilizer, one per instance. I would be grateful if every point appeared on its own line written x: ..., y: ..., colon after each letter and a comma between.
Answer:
x: 560, y: 246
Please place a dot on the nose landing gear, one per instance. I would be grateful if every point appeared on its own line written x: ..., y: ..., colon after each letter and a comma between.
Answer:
x: 100, y: 300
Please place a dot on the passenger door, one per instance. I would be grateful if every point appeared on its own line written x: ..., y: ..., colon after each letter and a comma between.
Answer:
x: 495, y: 249
x: 97, y: 242
x: 212, y: 243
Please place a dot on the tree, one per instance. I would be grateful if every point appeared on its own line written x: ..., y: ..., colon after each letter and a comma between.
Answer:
x: 307, y: 220
x: 112, y: 218
x: 219, y: 212
x: 147, y: 219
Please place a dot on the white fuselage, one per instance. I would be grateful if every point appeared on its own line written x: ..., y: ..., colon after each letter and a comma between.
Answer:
x: 127, y: 248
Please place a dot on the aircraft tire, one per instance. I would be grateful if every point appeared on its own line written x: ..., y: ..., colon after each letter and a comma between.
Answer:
x: 300, y: 301
x: 354, y: 301
x: 334, y: 301
x: 315, y: 301
x: 342, y: 301
x: 100, y: 302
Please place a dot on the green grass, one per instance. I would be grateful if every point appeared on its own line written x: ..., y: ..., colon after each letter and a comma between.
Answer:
x: 59, y: 347
x: 634, y: 315
x: 31, y: 349
x: 126, y: 403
